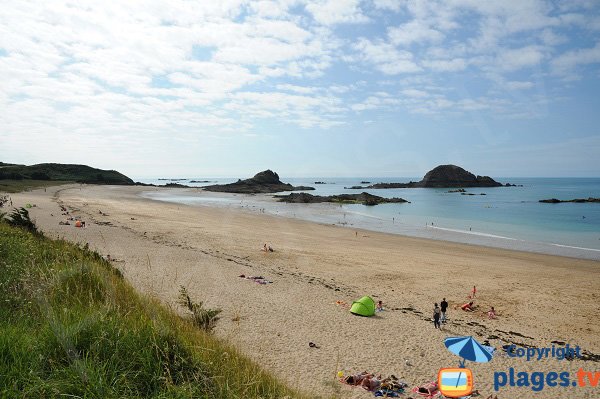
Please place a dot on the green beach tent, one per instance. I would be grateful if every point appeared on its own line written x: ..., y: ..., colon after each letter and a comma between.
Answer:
x: 365, y: 306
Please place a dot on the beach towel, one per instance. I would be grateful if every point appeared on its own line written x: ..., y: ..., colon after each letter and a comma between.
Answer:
x: 388, y: 393
x: 428, y: 390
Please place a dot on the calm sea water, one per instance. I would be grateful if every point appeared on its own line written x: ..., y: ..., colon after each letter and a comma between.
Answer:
x: 508, y: 217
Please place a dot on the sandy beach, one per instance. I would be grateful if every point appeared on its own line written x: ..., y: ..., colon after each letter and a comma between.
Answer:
x: 159, y: 247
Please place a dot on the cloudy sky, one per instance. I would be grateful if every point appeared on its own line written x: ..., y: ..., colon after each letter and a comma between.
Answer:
x: 306, y: 88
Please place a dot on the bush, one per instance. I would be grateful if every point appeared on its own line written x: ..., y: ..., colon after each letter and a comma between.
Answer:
x: 20, y: 218
x: 202, y: 318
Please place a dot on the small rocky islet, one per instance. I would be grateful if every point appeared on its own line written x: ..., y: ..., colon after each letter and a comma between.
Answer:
x: 576, y: 200
x: 443, y: 176
x: 265, y: 182
x: 362, y: 198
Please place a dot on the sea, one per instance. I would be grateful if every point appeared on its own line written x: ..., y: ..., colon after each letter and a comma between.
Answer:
x: 503, y: 217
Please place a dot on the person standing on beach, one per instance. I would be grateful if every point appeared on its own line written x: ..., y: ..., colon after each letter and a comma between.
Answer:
x: 443, y: 307
x: 436, y: 316
x: 473, y: 292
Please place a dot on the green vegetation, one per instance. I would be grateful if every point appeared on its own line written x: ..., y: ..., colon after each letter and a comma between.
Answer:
x: 62, y: 172
x: 16, y: 186
x: 70, y: 326
x: 20, y: 218
x: 201, y: 317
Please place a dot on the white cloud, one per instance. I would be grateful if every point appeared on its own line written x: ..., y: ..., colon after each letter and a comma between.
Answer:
x: 415, y: 93
x: 386, y: 58
x: 393, y: 5
x: 550, y: 38
x: 330, y: 12
x: 517, y: 85
x: 296, y: 89
x: 369, y: 103
x: 567, y: 62
x: 513, y: 59
x: 414, y: 32
x: 456, y: 64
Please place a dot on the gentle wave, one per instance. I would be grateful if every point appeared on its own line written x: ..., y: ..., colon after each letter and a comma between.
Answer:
x: 475, y: 233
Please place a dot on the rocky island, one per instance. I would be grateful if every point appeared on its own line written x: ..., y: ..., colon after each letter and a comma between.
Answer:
x: 443, y: 176
x: 362, y: 198
x: 577, y: 200
x: 264, y: 182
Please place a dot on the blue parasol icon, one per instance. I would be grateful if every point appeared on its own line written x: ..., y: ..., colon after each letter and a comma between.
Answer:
x: 469, y: 349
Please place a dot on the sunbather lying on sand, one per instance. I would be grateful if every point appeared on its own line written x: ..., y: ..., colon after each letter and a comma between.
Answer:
x: 371, y: 383
x: 356, y: 379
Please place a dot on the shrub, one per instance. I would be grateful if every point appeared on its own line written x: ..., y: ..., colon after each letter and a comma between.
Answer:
x: 201, y: 317
x: 20, y: 218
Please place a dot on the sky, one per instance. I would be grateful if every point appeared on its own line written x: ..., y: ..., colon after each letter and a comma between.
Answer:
x: 305, y: 88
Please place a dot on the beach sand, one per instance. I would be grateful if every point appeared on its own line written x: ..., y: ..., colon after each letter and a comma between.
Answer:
x: 161, y: 246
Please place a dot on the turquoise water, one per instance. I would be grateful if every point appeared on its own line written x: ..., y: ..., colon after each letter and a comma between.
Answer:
x: 504, y: 212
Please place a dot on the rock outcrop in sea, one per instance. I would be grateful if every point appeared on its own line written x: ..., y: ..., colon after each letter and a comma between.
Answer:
x: 264, y: 182
x: 577, y: 200
x: 455, y: 176
x: 362, y: 198
x: 443, y: 176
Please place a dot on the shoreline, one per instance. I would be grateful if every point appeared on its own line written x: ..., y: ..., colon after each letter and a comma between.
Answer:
x: 161, y: 246
x: 331, y: 214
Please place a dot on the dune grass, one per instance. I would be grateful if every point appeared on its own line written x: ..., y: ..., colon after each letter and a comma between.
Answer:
x: 70, y: 326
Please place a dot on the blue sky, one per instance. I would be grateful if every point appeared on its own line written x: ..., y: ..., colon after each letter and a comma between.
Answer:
x: 306, y: 88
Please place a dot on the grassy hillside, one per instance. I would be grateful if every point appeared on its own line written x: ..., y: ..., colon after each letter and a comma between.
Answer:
x: 70, y: 326
x: 62, y: 172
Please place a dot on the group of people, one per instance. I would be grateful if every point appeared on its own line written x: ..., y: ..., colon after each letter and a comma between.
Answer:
x: 267, y: 248
x: 372, y: 382
x: 439, y: 312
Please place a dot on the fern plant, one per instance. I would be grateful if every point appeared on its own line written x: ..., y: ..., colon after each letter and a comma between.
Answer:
x: 201, y: 317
